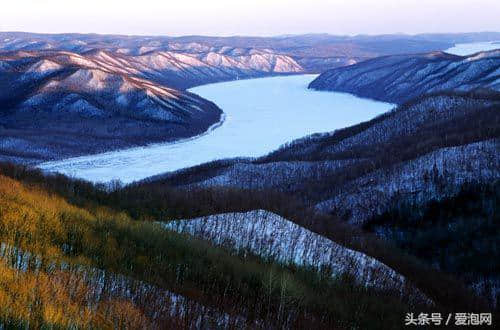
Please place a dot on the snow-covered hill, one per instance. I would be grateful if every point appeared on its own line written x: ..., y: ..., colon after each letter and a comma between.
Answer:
x: 200, y: 59
x: 274, y: 238
x: 421, y: 154
x: 400, y: 78
x: 59, y: 103
x: 421, y: 151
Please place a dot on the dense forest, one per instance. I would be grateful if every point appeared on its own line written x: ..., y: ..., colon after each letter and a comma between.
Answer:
x: 427, y: 147
x: 90, y: 256
x: 418, y: 158
x: 69, y: 266
x: 459, y: 234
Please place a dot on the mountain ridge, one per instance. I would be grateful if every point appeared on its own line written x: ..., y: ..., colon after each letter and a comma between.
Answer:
x: 399, y: 78
x: 314, y: 52
x: 97, y: 101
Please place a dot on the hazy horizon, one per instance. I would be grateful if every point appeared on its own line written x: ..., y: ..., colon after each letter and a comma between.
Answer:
x: 244, y: 35
x: 245, y: 18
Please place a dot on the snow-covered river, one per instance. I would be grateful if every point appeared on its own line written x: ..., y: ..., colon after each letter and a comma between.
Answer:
x: 471, y: 48
x: 261, y: 115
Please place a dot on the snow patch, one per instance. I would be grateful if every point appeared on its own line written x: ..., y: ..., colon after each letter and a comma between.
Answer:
x: 272, y: 237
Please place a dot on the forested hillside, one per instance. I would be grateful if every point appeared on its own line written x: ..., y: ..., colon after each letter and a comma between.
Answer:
x: 82, y: 257
x: 424, y: 149
x: 400, y: 78
x: 421, y: 154
x: 458, y: 234
x: 58, y: 104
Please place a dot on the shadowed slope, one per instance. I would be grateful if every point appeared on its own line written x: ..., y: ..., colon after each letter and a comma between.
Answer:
x: 59, y: 104
x: 400, y: 78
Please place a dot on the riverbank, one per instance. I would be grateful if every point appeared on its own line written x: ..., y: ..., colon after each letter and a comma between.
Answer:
x: 261, y: 115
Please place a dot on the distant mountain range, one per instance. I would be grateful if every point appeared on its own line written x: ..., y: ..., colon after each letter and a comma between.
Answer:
x: 207, y: 59
x: 66, y: 85
x: 399, y: 78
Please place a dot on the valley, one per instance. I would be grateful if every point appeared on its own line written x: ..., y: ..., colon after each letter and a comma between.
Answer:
x: 90, y: 94
x: 260, y: 115
x: 252, y: 110
x: 309, y: 181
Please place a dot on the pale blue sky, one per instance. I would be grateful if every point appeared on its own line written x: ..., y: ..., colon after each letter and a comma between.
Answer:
x: 251, y: 17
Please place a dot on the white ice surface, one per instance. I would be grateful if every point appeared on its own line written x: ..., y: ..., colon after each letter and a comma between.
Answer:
x: 261, y: 115
x: 474, y: 47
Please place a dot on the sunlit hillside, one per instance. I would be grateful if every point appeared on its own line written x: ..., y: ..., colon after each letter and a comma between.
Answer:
x: 92, y: 266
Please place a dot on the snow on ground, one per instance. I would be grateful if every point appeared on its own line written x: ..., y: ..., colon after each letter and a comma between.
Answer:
x: 371, y: 194
x: 272, y: 237
x: 473, y: 47
x: 158, y: 304
x: 261, y: 115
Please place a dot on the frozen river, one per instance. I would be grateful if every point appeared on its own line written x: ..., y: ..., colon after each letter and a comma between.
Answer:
x: 261, y: 115
x: 471, y: 48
